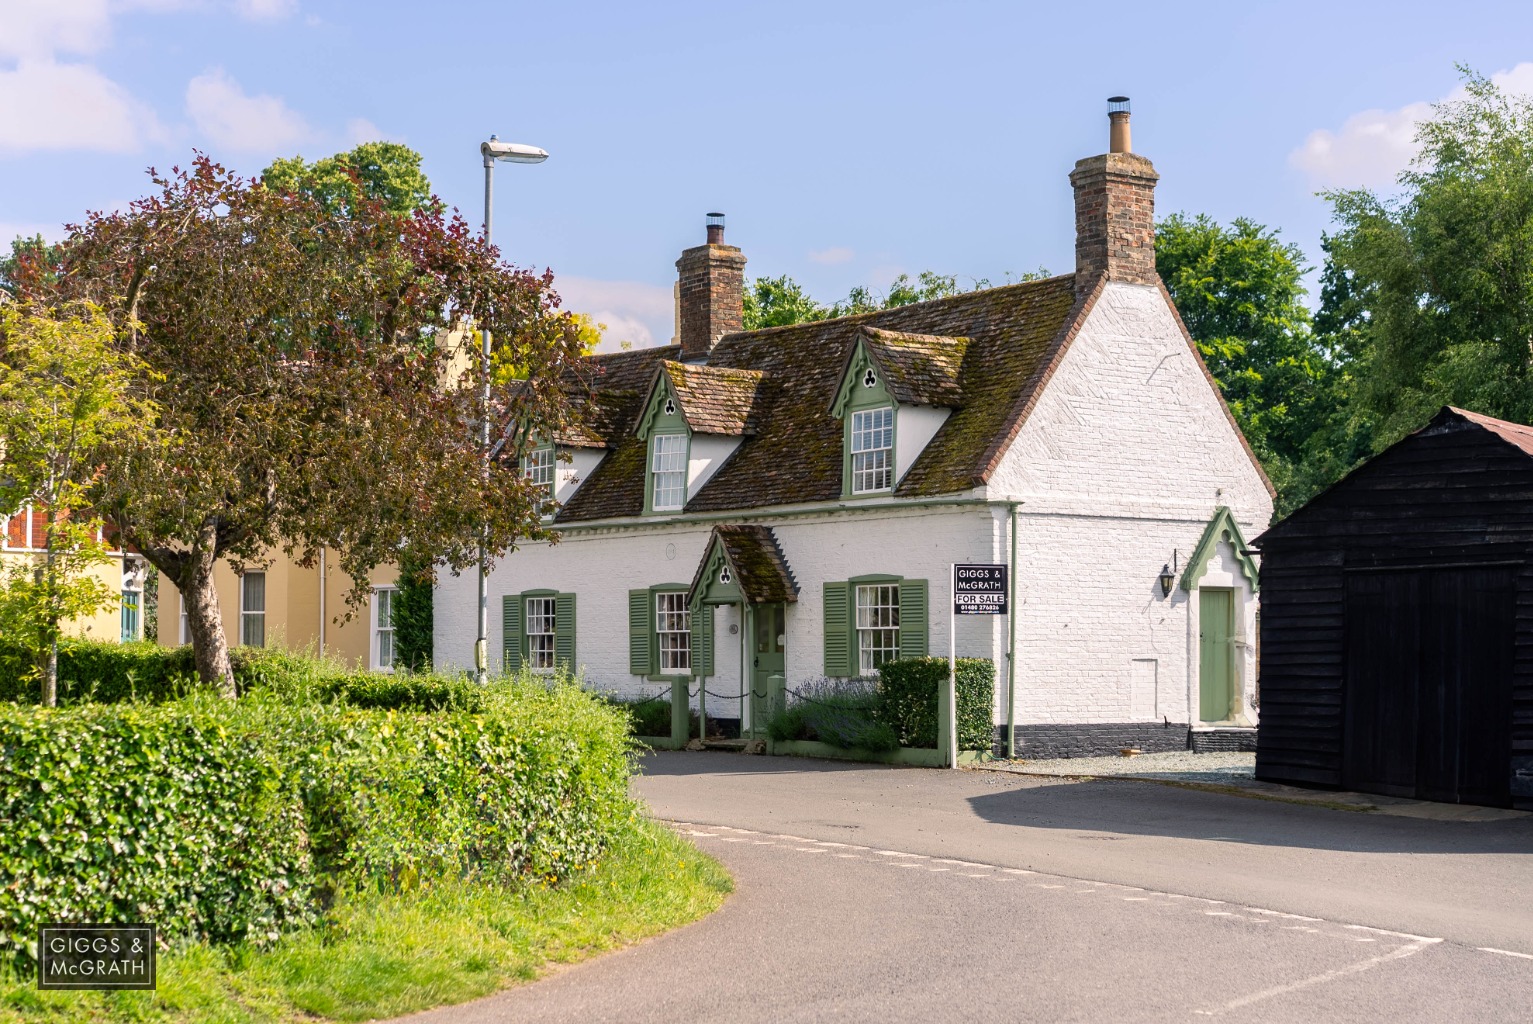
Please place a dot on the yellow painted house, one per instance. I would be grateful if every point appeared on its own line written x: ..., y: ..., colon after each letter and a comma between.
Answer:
x: 21, y: 537
x: 285, y: 606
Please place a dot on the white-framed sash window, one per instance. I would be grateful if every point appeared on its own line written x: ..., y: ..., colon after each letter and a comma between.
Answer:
x: 673, y: 632
x: 383, y: 627
x: 872, y: 450
x: 541, y: 629
x: 878, y: 625
x: 668, y: 472
x: 253, y: 609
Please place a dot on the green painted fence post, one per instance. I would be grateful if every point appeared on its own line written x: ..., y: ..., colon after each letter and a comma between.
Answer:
x: 776, y: 704
x: 944, y: 715
x: 681, y: 717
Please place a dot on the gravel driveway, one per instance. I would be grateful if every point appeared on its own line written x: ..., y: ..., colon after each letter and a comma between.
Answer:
x: 1180, y: 765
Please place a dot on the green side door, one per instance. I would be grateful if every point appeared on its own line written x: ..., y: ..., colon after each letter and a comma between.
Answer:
x: 768, y: 629
x: 1216, y: 666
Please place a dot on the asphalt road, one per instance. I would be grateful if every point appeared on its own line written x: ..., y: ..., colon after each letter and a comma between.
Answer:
x: 875, y: 894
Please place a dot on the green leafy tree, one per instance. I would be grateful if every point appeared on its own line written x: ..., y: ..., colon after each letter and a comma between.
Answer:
x: 413, y: 618
x: 1442, y: 274
x: 1239, y: 290
x: 382, y: 172
x: 29, y: 257
x: 780, y: 301
x: 68, y: 393
x: 300, y: 397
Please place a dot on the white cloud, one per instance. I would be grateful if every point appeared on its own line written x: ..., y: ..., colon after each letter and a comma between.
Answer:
x: 835, y: 254
x: 265, y: 10
x: 360, y: 130
x: 70, y: 106
x: 42, y: 28
x: 642, y: 314
x: 1372, y: 147
x: 230, y: 119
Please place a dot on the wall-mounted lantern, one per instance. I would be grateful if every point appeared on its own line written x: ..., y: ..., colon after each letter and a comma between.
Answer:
x: 1168, y: 576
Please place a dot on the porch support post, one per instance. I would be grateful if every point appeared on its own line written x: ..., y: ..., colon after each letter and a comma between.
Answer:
x: 681, y: 717
x: 776, y: 704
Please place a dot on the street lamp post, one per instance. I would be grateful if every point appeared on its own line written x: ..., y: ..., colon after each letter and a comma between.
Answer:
x: 515, y: 153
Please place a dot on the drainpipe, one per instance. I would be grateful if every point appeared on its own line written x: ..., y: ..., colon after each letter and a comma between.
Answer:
x: 1011, y: 642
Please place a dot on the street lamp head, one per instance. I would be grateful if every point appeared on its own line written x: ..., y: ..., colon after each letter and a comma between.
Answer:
x: 511, y: 152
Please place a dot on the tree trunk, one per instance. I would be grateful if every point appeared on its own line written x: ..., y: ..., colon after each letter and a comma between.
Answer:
x: 51, y: 677
x: 210, y: 648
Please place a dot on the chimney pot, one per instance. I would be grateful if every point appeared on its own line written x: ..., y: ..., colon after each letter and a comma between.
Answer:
x: 1119, y: 140
x: 715, y: 224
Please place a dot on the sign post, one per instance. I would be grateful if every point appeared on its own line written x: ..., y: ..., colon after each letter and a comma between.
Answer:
x: 977, y: 590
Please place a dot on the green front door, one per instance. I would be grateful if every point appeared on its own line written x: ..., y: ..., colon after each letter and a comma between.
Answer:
x: 1216, y: 663
x: 768, y: 632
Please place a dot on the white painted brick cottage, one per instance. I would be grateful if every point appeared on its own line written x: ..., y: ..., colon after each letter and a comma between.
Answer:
x: 790, y: 500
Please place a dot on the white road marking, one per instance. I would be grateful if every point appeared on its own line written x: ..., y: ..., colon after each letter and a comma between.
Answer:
x: 1504, y: 952
x: 1340, y: 972
x: 1415, y: 943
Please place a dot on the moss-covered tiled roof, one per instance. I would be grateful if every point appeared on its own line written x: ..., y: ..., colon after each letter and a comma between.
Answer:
x: 717, y: 399
x: 761, y: 570
x: 795, y: 454
x: 619, y: 382
x: 918, y: 369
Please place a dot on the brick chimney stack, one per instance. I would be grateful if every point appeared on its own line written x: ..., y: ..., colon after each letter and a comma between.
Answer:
x: 710, y: 293
x: 1115, y: 210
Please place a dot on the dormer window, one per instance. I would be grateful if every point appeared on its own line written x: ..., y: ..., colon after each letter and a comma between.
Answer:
x: 872, y: 449
x: 538, y: 467
x: 668, y: 472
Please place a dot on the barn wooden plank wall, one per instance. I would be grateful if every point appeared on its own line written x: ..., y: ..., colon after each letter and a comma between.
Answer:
x: 1453, y: 494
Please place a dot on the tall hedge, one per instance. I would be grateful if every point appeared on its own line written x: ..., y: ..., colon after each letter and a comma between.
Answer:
x: 908, y: 689
x: 229, y: 820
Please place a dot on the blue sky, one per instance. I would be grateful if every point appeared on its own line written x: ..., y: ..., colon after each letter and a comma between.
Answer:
x: 847, y: 142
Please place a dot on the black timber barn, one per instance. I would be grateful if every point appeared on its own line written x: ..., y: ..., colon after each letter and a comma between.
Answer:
x: 1397, y: 623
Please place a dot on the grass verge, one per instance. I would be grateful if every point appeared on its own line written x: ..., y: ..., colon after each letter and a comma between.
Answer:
x: 389, y: 955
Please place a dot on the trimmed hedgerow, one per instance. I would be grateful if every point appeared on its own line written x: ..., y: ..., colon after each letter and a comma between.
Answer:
x: 908, y: 690
x: 95, y: 670
x: 238, y: 820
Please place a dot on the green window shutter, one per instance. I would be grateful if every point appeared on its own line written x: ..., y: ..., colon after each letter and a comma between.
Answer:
x: 838, y: 630
x: 511, y: 635
x: 564, y: 630
x: 913, y: 624
x: 641, y: 627
x: 702, y: 640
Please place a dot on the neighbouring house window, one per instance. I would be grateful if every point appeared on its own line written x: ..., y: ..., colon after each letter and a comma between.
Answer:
x: 878, y: 626
x: 538, y: 467
x: 253, y: 609
x: 185, y: 636
x: 540, y: 632
x: 383, y: 629
x: 132, y: 602
x: 673, y: 632
x: 872, y: 450
x: 668, y: 472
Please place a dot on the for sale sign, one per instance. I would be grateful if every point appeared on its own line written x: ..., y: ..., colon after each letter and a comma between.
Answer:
x: 979, y: 590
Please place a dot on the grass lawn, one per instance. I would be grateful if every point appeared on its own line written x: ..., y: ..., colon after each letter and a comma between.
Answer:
x: 384, y: 956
